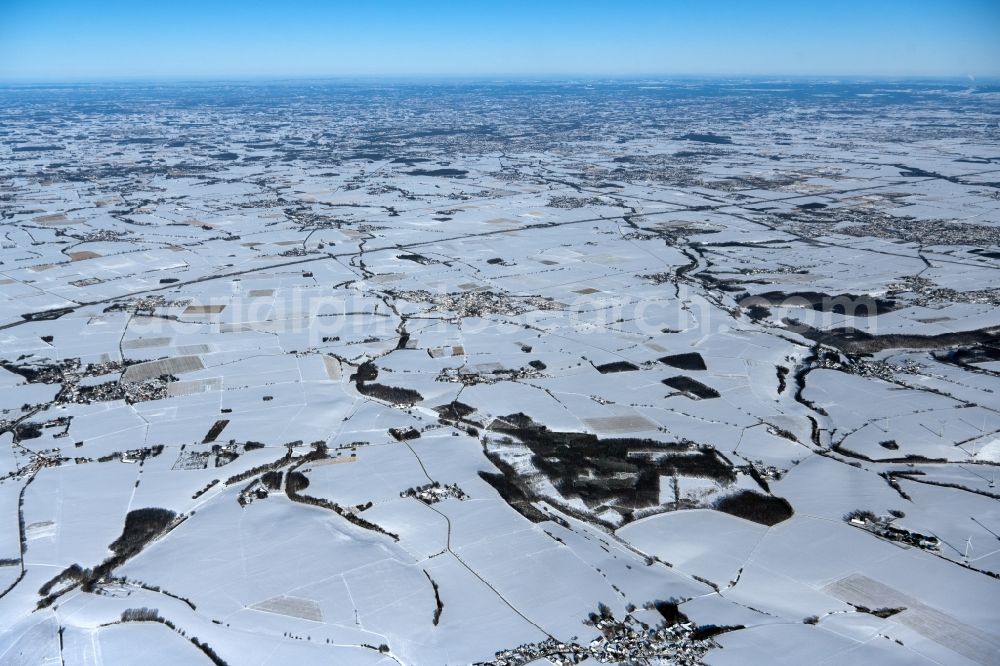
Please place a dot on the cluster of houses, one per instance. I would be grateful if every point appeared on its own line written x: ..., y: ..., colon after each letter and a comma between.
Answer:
x: 486, y: 375
x: 884, y: 528
x: 70, y: 373
x: 621, y: 642
x: 864, y: 368
x: 478, y: 302
x: 434, y: 492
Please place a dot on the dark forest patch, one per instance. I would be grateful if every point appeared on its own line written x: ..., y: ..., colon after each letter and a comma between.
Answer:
x: 215, y: 431
x: 512, y: 490
x: 625, y: 471
x: 686, y: 361
x: 707, y: 137
x: 141, y: 527
x: 854, y: 341
x: 454, y: 410
x: 847, y: 304
x: 416, y: 258
x: 692, y: 387
x: 36, y: 149
x: 749, y: 505
x: 393, y: 394
x: 616, y: 366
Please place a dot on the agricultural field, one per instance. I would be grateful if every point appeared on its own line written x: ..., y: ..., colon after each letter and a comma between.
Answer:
x: 660, y: 372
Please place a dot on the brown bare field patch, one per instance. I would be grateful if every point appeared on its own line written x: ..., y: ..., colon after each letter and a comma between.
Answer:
x: 203, y: 309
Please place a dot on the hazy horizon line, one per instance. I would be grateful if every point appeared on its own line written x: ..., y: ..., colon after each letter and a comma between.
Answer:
x: 498, y: 78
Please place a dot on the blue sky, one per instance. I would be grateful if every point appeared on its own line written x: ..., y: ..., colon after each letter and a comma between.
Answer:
x: 62, y: 40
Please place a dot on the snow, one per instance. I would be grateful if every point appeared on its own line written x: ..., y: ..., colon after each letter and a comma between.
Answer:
x: 223, y: 318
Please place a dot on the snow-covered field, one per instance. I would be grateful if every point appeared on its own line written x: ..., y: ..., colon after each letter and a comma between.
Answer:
x: 500, y: 374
